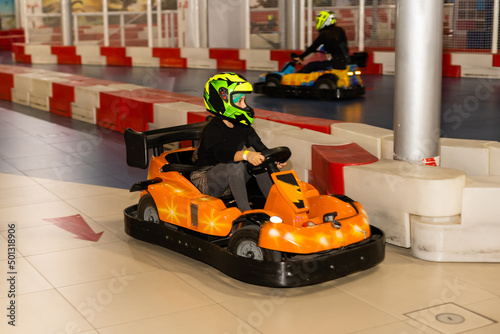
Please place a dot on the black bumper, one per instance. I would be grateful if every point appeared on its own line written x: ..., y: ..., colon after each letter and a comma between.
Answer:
x: 307, y: 270
x: 309, y: 92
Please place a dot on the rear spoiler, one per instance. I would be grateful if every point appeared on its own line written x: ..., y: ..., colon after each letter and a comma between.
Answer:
x: 138, y: 143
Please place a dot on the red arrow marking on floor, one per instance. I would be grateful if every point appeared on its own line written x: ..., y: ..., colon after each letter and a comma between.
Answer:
x: 77, y: 225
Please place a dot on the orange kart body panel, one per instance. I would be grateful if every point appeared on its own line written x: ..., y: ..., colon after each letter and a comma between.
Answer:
x: 180, y: 203
x: 298, y: 203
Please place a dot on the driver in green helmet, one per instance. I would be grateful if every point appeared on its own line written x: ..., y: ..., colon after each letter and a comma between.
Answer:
x: 224, y: 141
x: 331, y: 40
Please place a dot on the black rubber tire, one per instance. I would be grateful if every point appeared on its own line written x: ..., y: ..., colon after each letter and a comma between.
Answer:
x: 244, y: 242
x: 272, y: 82
x: 147, y: 210
x: 325, y: 88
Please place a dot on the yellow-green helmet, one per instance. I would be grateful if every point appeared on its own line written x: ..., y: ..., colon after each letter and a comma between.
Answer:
x: 221, y: 93
x: 325, y: 19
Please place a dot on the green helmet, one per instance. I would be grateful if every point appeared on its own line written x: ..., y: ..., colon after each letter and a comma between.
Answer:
x: 325, y: 19
x: 221, y: 93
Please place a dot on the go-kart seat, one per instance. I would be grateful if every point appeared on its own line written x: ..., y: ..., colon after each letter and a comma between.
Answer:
x: 181, y: 161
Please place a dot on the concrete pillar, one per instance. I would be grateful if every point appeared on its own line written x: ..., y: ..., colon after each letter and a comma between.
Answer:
x: 66, y: 23
x: 417, y: 96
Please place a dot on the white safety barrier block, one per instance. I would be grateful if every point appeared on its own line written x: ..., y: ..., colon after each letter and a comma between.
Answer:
x: 258, y: 60
x: 40, y: 53
x: 124, y: 86
x: 475, y: 65
x: 23, y: 81
x: 471, y: 237
x: 142, y: 56
x: 494, y: 148
x: 90, y: 54
x: 172, y: 114
x: 87, y: 99
x: 391, y: 191
x: 388, y: 61
x: 472, y: 59
x: 480, y: 72
x: 198, y: 58
x: 388, y: 147
x: 470, y: 156
x: 265, y: 129
x: 38, y: 85
x: 20, y: 96
x: 367, y: 136
x: 83, y: 113
x: 300, y: 143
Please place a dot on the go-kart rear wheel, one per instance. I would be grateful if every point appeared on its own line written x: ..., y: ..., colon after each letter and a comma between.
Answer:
x: 325, y: 88
x: 244, y: 242
x: 272, y: 82
x: 146, y: 209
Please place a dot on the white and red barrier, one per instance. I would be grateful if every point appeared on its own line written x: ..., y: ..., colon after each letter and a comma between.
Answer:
x: 379, y: 62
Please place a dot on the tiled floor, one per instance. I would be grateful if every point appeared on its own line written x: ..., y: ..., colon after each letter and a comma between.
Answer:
x: 52, y: 167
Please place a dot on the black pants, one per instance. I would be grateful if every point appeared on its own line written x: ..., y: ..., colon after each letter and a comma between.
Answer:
x: 235, y: 176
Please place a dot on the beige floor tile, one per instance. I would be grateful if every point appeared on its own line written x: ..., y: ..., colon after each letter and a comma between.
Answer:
x: 409, y: 287
x: 68, y: 190
x: 401, y: 327
x: 314, y: 308
x: 44, y: 312
x: 9, y: 181
x: 25, y: 195
x: 91, y: 263
x: 483, y: 275
x: 449, y: 318
x: 33, y: 214
x: 27, y: 278
x: 221, y: 287
x: 490, y: 309
x: 3, y: 246
x: 115, y: 224
x: 168, y: 259
x: 105, y: 205
x: 50, y: 238
x: 211, y: 319
x: 135, y: 297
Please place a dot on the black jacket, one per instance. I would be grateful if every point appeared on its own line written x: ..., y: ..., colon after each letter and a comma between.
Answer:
x: 334, y: 41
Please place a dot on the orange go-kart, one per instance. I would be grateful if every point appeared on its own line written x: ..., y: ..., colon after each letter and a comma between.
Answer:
x: 296, y: 237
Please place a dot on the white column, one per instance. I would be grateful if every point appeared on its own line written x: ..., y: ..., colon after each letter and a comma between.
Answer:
x: 292, y: 24
x: 417, y: 100
x: 66, y: 26
x: 149, y: 13
x: 494, y: 42
x: 309, y: 20
x: 105, y: 22
x: 361, y: 41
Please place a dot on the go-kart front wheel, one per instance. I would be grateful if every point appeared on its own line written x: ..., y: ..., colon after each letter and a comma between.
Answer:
x: 146, y: 209
x: 244, y: 242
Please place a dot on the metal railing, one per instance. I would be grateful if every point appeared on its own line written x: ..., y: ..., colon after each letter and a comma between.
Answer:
x: 367, y: 27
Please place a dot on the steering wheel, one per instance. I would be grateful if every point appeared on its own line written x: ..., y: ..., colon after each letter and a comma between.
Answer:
x: 272, y: 156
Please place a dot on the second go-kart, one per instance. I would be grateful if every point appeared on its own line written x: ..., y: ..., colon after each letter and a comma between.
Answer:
x: 324, y: 85
x: 296, y: 237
